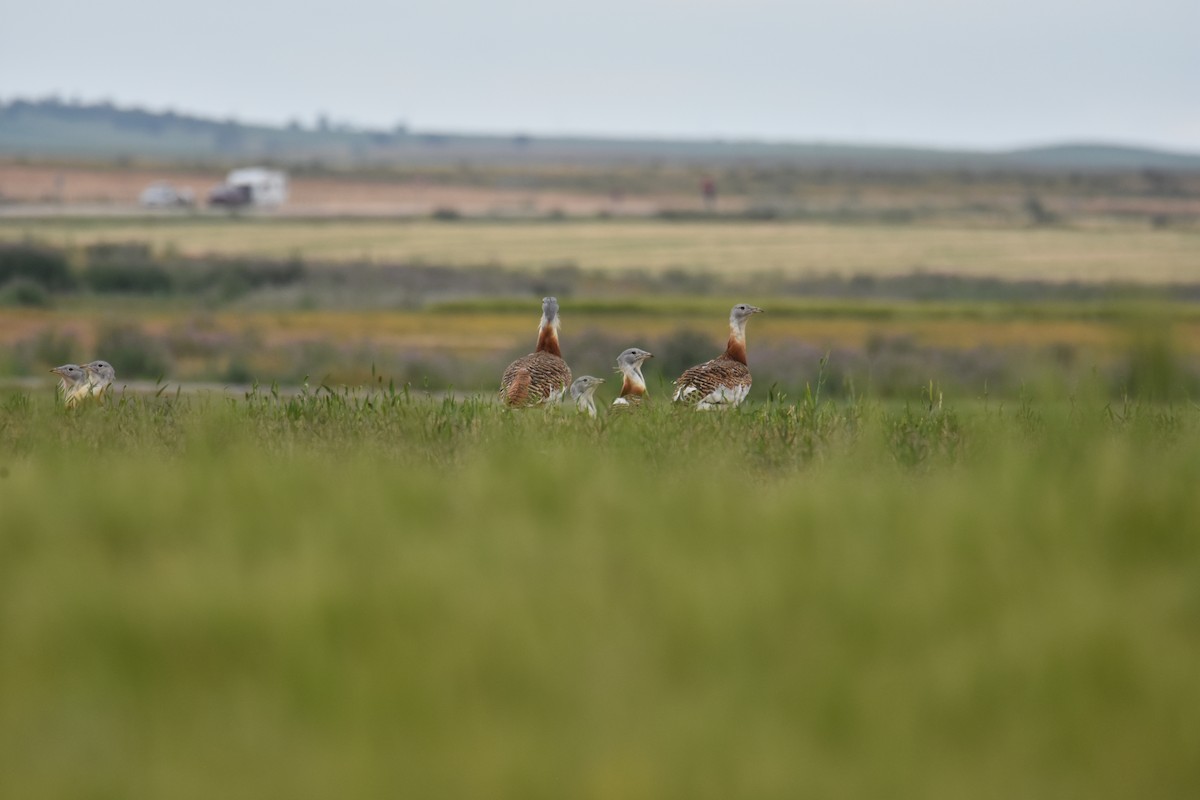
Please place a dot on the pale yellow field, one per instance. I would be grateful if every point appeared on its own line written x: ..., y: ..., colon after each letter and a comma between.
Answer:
x: 1091, y: 254
x: 486, y: 334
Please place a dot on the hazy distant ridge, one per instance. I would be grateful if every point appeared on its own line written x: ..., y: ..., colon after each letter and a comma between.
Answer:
x: 50, y: 128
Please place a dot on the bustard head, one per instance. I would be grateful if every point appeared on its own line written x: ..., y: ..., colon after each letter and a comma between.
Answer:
x: 100, y: 372
x: 549, y: 311
x: 742, y: 312
x: 630, y: 361
x: 70, y: 374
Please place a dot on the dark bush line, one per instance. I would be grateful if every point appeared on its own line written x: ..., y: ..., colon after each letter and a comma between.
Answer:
x: 44, y: 266
x: 229, y: 280
x: 116, y: 277
x: 130, y: 268
x: 32, y: 275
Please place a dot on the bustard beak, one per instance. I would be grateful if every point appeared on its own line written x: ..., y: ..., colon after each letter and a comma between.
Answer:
x: 756, y: 310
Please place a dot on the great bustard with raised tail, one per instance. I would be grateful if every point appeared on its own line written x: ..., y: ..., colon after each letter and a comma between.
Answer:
x: 724, y: 381
x: 633, y: 385
x: 542, y: 376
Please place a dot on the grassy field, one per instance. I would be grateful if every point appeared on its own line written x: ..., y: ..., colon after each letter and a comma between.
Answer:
x: 1125, y: 253
x: 947, y: 550
x: 380, y: 595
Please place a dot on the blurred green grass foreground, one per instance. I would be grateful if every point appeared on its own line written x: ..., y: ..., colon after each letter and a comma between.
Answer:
x: 378, y: 595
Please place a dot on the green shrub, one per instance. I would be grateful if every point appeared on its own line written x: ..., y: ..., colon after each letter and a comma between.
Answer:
x: 118, y: 251
x: 48, y: 348
x: 26, y: 293
x: 132, y: 352
x: 127, y: 278
x: 41, y: 265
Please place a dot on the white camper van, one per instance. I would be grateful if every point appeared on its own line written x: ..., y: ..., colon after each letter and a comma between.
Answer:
x: 252, y: 186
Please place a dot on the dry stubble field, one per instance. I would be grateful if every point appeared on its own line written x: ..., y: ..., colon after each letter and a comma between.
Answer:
x: 1092, y: 254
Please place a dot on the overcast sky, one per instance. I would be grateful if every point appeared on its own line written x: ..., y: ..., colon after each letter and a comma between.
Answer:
x: 998, y: 74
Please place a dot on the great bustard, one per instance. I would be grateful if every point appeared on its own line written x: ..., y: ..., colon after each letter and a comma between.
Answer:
x: 633, y: 385
x: 542, y: 376
x: 583, y: 392
x: 724, y: 381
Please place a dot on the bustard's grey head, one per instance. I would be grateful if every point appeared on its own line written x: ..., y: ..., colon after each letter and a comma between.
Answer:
x: 100, y: 373
x: 742, y: 312
x: 550, y: 311
x: 585, y: 384
x: 631, y: 360
x: 70, y: 374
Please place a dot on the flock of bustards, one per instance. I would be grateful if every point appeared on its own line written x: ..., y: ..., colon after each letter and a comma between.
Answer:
x: 544, y: 377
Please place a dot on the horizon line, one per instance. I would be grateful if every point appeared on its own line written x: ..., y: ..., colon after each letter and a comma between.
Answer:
x: 346, y: 126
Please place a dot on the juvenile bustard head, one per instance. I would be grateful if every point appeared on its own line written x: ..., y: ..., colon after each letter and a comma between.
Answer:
x: 583, y: 392
x: 100, y: 376
x: 72, y: 382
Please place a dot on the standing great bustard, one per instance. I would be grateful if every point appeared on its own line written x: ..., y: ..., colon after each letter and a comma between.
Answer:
x: 633, y: 385
x: 583, y: 392
x: 542, y: 375
x: 723, y: 382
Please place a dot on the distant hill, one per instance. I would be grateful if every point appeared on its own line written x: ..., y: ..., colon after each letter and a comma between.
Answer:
x: 1102, y: 157
x: 51, y: 128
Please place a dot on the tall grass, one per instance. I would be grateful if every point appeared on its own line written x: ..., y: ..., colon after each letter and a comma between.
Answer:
x: 385, y: 595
